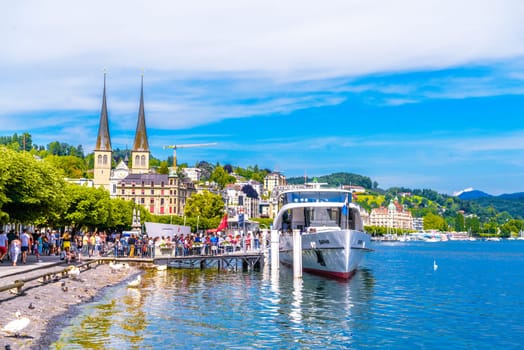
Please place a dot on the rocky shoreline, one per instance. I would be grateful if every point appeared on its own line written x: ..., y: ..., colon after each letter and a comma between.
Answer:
x: 50, y: 306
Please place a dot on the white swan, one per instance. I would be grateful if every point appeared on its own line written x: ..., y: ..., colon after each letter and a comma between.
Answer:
x: 435, y: 266
x: 161, y: 267
x: 117, y: 267
x: 74, y: 272
x: 135, y: 283
x: 15, y: 326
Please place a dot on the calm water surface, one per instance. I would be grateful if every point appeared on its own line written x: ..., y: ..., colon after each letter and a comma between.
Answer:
x: 474, y: 300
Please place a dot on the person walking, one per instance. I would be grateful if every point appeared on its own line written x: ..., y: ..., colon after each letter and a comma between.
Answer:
x: 14, y: 249
x: 3, y: 245
x: 37, y: 246
x: 25, y: 239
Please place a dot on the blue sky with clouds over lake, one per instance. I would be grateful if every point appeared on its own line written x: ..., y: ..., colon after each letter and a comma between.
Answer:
x: 417, y: 94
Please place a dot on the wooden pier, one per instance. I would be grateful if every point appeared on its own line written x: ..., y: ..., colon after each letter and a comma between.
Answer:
x: 247, y: 261
x: 230, y: 261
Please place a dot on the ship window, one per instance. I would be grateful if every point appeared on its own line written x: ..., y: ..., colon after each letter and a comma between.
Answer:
x: 317, y: 217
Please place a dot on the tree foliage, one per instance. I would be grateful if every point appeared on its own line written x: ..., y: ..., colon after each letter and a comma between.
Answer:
x: 206, y: 170
x: 71, y: 166
x: 221, y: 177
x: 434, y: 222
x: 86, y: 206
x: 336, y: 180
x: 204, y: 205
x: 29, y: 189
x: 252, y: 172
x: 250, y: 191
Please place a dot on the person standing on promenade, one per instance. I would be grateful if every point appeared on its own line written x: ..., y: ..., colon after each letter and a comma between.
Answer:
x: 10, y: 237
x: 91, y: 241
x: 25, y: 238
x: 131, y: 241
x: 3, y: 245
x: 85, y: 244
x: 66, y: 241
x: 52, y: 243
x: 14, y: 249
x: 37, y: 246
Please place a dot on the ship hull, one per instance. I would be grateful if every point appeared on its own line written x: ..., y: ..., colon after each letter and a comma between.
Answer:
x: 335, y: 254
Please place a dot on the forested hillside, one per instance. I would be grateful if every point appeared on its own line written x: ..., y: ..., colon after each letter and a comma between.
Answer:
x: 337, y: 179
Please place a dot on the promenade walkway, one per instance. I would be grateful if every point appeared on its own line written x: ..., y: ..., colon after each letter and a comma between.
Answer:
x: 7, y: 270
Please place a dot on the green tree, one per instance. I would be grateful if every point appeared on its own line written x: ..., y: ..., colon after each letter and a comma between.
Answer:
x: 434, y: 222
x: 221, y: 177
x: 86, y: 207
x: 472, y: 224
x: 490, y: 227
x: 512, y: 228
x: 206, y: 170
x: 120, y: 215
x: 204, y: 205
x: 460, y: 224
x: 71, y: 166
x: 30, y: 190
x: 163, y: 168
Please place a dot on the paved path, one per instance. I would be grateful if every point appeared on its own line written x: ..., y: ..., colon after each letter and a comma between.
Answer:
x: 7, y: 270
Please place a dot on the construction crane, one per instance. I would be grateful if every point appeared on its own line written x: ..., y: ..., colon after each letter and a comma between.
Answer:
x: 175, y: 147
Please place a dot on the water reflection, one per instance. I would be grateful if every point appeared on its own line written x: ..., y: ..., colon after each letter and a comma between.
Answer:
x: 225, y: 309
x: 296, y: 304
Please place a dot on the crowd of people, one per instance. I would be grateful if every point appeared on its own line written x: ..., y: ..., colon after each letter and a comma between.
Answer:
x: 16, y: 247
x: 211, y: 243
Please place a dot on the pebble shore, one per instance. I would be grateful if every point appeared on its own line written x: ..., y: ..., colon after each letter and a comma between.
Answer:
x: 49, y: 306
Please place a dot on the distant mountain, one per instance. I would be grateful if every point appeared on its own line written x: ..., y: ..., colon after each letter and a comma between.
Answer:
x: 512, y: 203
x: 470, y: 193
x: 517, y: 195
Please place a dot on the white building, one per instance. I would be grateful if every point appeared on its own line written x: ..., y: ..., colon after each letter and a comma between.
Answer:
x: 392, y: 216
x: 193, y: 174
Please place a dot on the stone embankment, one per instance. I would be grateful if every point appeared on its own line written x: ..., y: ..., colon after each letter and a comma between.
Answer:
x: 49, y: 305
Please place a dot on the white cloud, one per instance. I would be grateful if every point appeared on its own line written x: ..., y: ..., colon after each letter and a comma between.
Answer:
x: 292, y: 37
x: 303, y: 51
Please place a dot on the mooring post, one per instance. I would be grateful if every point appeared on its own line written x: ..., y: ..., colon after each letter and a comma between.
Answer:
x: 275, y: 250
x: 297, y: 254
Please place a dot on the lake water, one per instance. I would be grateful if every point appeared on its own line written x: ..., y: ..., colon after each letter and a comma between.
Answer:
x: 396, y: 300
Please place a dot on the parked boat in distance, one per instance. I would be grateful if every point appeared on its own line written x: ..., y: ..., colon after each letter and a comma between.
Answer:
x: 333, y: 237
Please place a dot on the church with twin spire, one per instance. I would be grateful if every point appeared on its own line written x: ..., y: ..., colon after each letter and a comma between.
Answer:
x: 160, y: 194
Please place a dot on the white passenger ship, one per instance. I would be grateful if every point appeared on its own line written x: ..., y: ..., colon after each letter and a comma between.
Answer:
x: 333, y: 237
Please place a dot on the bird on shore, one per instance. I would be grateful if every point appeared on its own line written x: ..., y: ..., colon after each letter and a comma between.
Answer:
x: 161, y: 267
x: 64, y: 287
x: 17, y: 325
x: 117, y: 267
x: 435, y: 266
x: 135, y: 283
x: 74, y: 272
x: 31, y: 306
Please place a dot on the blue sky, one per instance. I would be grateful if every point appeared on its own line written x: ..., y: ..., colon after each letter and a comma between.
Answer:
x: 418, y: 94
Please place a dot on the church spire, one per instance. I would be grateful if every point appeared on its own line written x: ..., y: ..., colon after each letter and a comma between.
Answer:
x: 140, y: 151
x: 103, y: 152
x: 141, y: 144
x: 103, y: 141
